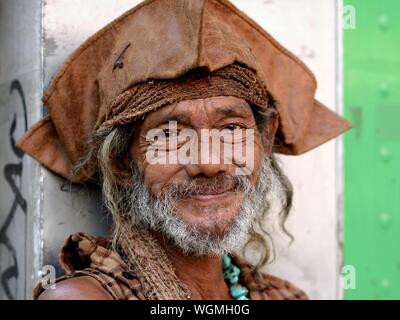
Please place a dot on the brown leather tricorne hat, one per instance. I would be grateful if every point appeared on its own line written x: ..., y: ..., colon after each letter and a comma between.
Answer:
x: 164, y: 39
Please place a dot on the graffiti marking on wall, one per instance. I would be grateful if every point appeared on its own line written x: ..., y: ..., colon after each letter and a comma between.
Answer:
x: 13, y: 174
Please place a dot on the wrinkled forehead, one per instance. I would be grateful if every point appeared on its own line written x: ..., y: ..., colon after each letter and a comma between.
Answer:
x: 193, y: 111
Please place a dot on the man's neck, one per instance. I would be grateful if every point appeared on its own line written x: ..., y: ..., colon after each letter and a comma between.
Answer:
x: 203, y: 275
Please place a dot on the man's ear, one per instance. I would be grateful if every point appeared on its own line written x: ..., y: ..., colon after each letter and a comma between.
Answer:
x: 270, y: 130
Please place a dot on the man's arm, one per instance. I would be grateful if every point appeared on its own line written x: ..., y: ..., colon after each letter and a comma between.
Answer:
x: 79, y: 288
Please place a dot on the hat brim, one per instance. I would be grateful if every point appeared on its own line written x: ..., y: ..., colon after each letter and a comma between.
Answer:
x: 324, y: 125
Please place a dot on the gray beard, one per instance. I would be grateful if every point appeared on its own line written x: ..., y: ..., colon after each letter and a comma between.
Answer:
x: 160, y: 215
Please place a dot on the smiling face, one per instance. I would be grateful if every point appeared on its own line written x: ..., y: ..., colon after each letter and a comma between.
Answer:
x: 208, y: 196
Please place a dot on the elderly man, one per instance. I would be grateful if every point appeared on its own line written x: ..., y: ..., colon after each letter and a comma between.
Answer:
x: 175, y: 109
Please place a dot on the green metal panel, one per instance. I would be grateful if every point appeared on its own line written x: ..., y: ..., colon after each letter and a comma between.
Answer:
x: 372, y: 149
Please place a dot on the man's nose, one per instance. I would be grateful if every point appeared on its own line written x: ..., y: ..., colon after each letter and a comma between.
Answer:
x: 208, y: 170
x: 210, y: 159
x: 210, y: 162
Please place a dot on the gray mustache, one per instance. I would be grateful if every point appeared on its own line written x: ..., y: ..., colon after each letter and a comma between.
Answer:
x: 204, y: 186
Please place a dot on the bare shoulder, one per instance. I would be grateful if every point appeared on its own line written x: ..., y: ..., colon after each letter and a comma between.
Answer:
x: 78, y: 288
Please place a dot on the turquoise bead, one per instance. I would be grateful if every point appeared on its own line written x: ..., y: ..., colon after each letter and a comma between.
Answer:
x: 238, y: 291
x: 232, y: 274
x: 227, y: 261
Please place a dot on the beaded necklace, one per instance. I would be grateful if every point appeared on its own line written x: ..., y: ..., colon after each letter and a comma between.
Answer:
x: 231, y: 276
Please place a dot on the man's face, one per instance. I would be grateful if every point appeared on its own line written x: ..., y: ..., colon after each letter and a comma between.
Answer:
x: 213, y: 201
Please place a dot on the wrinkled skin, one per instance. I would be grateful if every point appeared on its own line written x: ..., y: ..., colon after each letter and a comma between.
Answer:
x: 212, y: 211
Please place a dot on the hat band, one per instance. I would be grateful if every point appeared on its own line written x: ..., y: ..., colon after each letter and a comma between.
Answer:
x: 233, y: 80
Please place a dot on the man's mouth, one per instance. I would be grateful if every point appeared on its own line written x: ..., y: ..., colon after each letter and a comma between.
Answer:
x: 207, y: 191
x: 211, y: 196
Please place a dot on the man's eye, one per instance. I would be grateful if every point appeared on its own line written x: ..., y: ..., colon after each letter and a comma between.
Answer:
x: 170, y: 133
x: 233, y: 127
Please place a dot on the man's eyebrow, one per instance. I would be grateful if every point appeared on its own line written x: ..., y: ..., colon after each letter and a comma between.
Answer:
x: 180, y: 118
x: 232, y: 110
